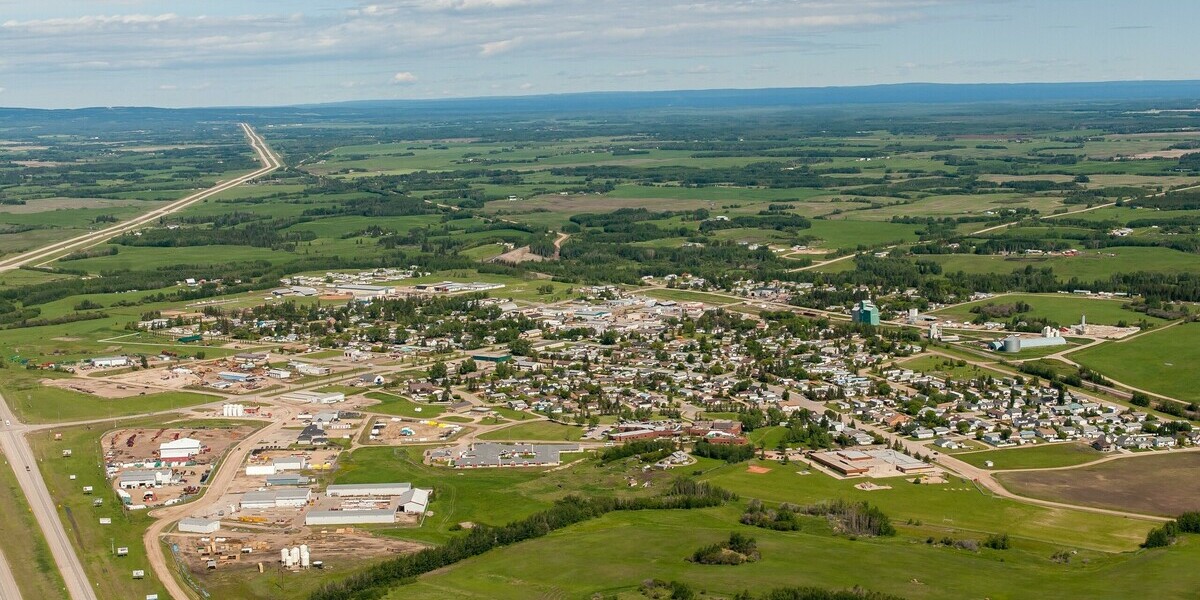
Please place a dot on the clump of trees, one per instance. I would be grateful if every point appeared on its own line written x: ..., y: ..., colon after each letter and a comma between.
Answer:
x: 783, y: 518
x: 1159, y: 537
x: 730, y: 453
x: 739, y: 549
x: 646, y: 450
x: 854, y: 518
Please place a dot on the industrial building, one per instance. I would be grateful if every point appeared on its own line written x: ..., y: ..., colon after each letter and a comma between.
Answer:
x: 865, y: 312
x: 233, y: 410
x: 315, y: 397
x: 234, y: 377
x: 364, y: 292
x: 511, y: 455
x: 109, y: 362
x: 193, y: 525
x: 492, y: 357
x: 180, y: 449
x: 137, y: 479
x: 284, y: 498
x: 349, y: 517
x: 368, y: 489
x: 1050, y: 337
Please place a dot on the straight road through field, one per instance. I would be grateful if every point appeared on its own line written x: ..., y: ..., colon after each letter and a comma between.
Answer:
x: 50, y: 252
x: 8, y: 583
x: 20, y: 455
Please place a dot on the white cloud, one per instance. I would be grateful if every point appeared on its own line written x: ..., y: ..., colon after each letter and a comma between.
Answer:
x: 500, y: 47
x: 526, y: 86
x: 404, y: 78
x: 166, y: 87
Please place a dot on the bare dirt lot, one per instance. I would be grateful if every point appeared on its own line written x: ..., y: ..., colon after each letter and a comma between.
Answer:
x: 1160, y: 483
x: 145, y: 442
x: 329, y: 546
x: 99, y: 387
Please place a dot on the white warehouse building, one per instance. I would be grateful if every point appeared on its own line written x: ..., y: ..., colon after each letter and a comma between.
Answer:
x: 194, y: 525
x: 181, y: 448
x: 349, y: 517
x: 368, y: 489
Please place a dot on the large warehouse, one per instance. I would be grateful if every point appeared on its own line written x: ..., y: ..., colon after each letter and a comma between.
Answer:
x: 368, y: 489
x: 349, y: 517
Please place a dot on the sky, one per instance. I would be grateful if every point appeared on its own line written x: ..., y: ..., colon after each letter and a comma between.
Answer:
x: 172, y: 53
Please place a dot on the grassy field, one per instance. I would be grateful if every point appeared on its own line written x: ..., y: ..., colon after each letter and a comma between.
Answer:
x: 391, y: 404
x: 31, y: 562
x: 613, y: 554
x: 536, y: 431
x: 1090, y: 265
x: 1158, y: 483
x: 94, y: 542
x: 33, y: 402
x: 688, y: 296
x: 1041, y: 456
x: 1159, y: 361
x: 947, y: 368
x: 1060, y: 308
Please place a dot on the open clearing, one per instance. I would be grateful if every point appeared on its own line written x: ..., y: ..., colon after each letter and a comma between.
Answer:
x: 538, y: 431
x: 1162, y: 484
x: 1060, y: 308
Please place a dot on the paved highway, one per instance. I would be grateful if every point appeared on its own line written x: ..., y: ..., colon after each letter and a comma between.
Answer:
x: 8, y: 583
x: 20, y: 455
x: 46, y: 254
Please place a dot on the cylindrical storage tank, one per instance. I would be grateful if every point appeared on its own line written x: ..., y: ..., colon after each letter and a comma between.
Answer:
x: 283, y: 555
x: 1012, y: 344
x: 295, y: 555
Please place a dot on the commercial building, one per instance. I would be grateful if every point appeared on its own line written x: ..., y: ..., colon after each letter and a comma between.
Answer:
x: 511, y: 455
x: 137, y: 479
x: 492, y: 357
x: 193, y: 525
x: 865, y: 312
x: 364, y: 292
x: 234, y: 376
x: 284, y: 498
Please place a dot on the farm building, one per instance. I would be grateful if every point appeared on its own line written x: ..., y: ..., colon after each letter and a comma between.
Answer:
x: 369, y: 489
x: 193, y: 525
x: 349, y: 517
x: 182, y: 448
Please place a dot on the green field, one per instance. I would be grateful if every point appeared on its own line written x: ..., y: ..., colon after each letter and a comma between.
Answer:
x: 391, y: 404
x: 1090, y: 265
x: 1063, y: 309
x: 1041, y: 456
x: 1160, y: 361
x: 947, y: 368
x: 33, y: 402
x: 31, y: 562
x: 537, y: 431
x: 688, y: 296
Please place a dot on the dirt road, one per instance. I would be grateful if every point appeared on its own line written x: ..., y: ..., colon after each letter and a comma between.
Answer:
x: 20, y: 454
x: 48, y: 253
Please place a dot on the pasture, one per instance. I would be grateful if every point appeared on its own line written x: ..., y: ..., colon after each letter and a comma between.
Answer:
x: 1161, y: 361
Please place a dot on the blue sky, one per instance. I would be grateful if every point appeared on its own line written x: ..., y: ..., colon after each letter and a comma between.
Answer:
x: 70, y: 53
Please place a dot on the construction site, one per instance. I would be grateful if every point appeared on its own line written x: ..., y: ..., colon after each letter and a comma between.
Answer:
x: 245, y: 547
x: 399, y: 431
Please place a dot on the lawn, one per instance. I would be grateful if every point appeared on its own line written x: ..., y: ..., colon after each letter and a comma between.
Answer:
x: 1160, y: 361
x: 391, y: 404
x: 947, y: 368
x: 1063, y: 309
x: 1162, y: 483
x: 537, y: 431
x: 33, y: 402
x: 1041, y: 456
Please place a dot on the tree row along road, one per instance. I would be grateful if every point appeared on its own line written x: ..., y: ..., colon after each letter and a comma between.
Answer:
x: 47, y: 253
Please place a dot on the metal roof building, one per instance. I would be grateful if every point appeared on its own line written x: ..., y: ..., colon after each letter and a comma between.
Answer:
x: 368, y: 489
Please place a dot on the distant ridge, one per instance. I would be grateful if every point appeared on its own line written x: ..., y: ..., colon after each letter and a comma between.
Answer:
x: 1184, y: 91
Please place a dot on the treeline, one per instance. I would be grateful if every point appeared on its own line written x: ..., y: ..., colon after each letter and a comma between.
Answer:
x: 60, y: 320
x: 635, y: 215
x: 259, y: 235
x: 678, y: 590
x: 92, y: 253
x: 1182, y: 200
x: 683, y: 494
x: 777, y: 221
x: 761, y: 174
